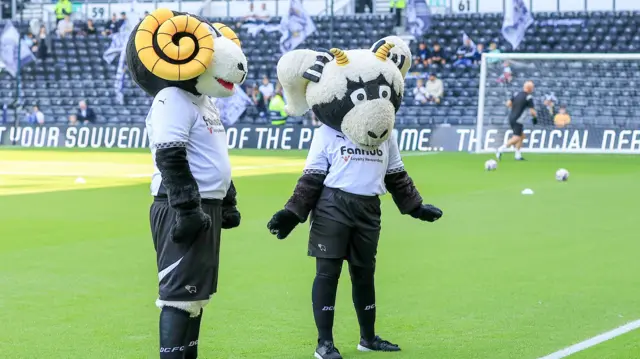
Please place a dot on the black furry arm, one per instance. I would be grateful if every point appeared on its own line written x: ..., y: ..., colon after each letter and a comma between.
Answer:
x: 230, y: 199
x: 180, y: 184
x: 306, y: 193
x: 404, y: 192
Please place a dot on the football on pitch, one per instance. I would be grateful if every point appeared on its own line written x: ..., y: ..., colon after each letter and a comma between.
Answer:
x: 490, y: 165
x: 562, y: 175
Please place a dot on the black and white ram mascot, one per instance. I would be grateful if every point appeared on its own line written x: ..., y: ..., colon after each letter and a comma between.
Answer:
x: 184, y: 61
x: 353, y: 160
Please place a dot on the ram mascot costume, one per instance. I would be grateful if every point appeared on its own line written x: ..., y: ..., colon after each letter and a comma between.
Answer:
x: 353, y: 160
x: 183, y: 61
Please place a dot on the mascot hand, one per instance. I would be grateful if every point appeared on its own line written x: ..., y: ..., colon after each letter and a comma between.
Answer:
x: 230, y: 217
x: 189, y: 224
x: 282, y: 223
x: 427, y: 212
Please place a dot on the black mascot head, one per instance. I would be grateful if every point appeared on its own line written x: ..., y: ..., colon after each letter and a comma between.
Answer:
x: 173, y: 49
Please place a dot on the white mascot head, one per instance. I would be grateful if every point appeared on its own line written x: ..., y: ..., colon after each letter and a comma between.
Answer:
x: 172, y: 49
x: 356, y: 92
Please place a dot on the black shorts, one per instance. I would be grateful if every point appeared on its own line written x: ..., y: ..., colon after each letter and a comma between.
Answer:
x: 517, y: 128
x: 186, y: 272
x: 345, y: 225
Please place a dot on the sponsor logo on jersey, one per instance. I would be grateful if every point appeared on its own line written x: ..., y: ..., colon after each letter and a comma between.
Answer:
x: 213, y: 124
x: 360, y: 155
x: 358, y: 151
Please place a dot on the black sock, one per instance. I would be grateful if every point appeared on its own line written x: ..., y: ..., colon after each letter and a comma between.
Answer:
x: 174, y: 324
x: 364, y: 299
x: 191, y: 344
x: 323, y: 295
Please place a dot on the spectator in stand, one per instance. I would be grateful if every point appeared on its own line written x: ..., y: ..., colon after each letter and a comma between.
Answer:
x: 259, y: 101
x: 266, y: 89
x: 434, y: 89
x: 423, y: 54
x: 112, y: 26
x: 437, y: 56
x: 467, y: 50
x: 462, y: 61
x: 31, y: 42
x: 121, y: 21
x: 562, y: 118
x: 41, y: 44
x: 63, y: 8
x: 493, y: 49
x: 256, y: 17
x: 477, y: 56
x: 36, y: 117
x: 264, y: 13
x: 548, y: 112
x: 419, y: 93
x: 362, y: 4
x: 85, y: 114
x: 73, y: 120
x: 65, y: 27
x: 89, y: 28
x: 507, y: 74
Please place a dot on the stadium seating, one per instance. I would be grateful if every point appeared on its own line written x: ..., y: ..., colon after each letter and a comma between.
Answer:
x: 75, y: 69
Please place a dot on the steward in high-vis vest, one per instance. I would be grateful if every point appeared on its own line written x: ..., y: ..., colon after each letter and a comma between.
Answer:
x: 397, y: 5
x: 276, y: 110
x: 63, y: 7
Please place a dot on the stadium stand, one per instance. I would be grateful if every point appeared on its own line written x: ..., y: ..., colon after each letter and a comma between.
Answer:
x: 75, y: 70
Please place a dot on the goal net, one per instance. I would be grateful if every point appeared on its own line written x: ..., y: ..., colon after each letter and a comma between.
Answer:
x: 586, y: 103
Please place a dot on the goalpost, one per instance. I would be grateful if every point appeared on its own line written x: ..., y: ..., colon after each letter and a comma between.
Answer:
x: 601, y: 93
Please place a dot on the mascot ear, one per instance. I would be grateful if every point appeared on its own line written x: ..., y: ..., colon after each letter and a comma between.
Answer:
x: 399, y: 53
x: 295, y: 69
x: 173, y: 48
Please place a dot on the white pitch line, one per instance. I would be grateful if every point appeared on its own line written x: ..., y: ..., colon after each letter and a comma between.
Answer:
x: 417, y: 153
x: 593, y: 341
x: 135, y: 175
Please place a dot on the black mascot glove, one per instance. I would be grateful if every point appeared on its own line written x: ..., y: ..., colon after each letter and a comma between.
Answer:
x: 230, y: 217
x: 427, y: 212
x: 189, y: 224
x: 282, y: 223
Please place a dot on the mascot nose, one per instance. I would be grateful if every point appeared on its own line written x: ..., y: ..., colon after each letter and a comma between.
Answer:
x: 373, y: 134
x: 241, y: 67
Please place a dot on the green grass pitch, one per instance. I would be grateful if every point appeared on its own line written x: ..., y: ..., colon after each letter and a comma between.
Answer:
x: 500, y: 276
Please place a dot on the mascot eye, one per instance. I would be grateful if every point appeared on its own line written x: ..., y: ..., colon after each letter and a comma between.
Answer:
x: 385, y: 92
x: 358, y: 96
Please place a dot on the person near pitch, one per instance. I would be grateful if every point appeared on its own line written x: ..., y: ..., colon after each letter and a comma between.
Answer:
x: 521, y: 108
x: 353, y: 159
x: 183, y: 61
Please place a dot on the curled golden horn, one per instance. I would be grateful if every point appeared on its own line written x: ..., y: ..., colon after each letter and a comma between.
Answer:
x: 341, y: 57
x: 227, y: 32
x: 175, y: 62
x: 383, y: 51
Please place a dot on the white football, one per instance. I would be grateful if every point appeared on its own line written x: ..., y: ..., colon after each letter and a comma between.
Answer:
x: 490, y: 165
x: 562, y: 175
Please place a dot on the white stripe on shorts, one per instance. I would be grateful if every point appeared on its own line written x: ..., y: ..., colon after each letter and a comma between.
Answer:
x: 163, y: 273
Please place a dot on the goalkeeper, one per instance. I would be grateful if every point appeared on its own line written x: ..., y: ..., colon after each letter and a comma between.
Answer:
x: 519, y: 104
